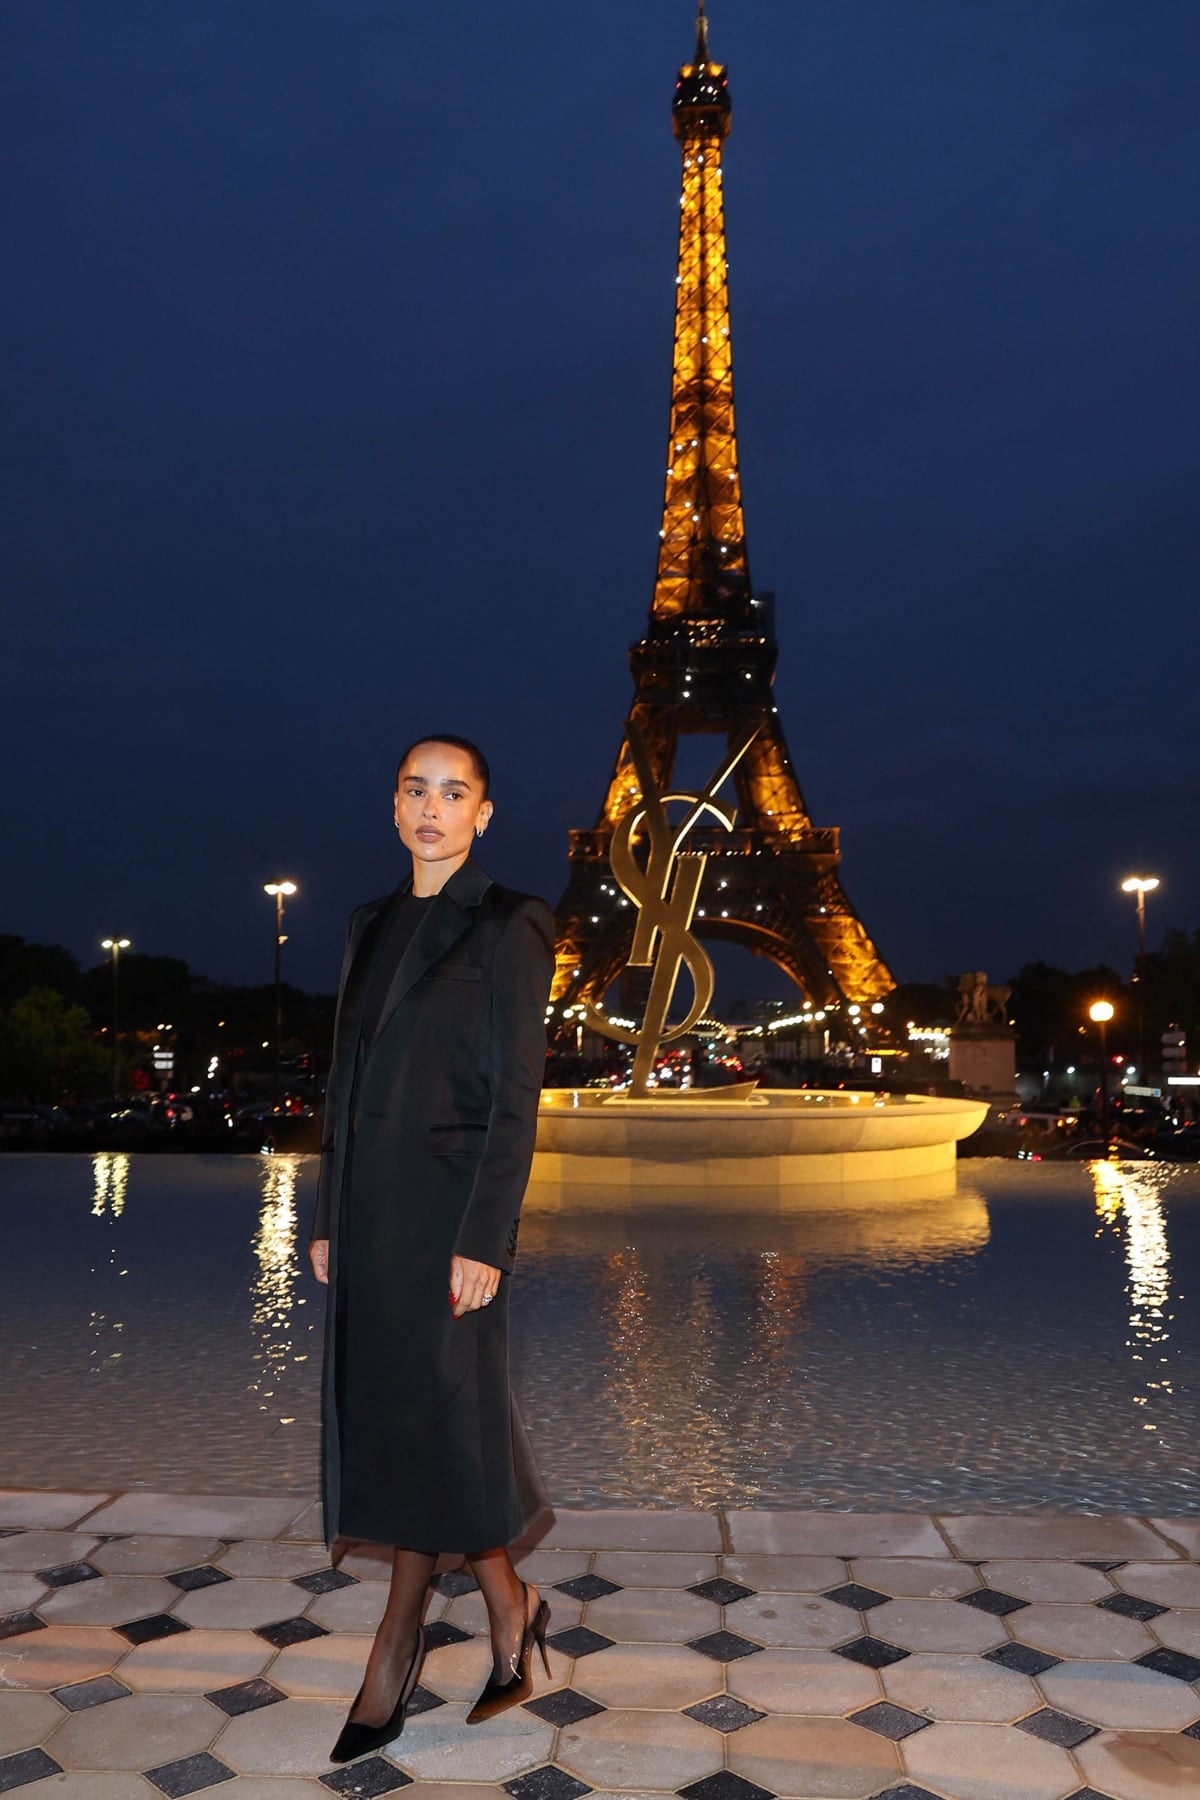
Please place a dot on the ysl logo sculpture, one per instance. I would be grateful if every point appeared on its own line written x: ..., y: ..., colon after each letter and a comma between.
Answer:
x: 665, y: 891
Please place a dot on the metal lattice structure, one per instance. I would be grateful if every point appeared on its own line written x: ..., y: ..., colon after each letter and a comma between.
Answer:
x: 707, y: 660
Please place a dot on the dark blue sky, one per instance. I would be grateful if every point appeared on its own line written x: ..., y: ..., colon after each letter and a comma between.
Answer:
x: 334, y: 402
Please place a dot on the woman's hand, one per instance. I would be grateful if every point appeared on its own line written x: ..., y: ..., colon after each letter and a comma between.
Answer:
x: 472, y: 1285
x: 318, y: 1256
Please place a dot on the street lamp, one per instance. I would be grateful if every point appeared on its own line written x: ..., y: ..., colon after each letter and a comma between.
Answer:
x: 1100, y: 1012
x: 277, y: 890
x: 1141, y: 885
x: 116, y: 945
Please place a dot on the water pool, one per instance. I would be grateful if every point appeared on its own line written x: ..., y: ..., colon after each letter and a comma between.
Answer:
x: 1028, y: 1339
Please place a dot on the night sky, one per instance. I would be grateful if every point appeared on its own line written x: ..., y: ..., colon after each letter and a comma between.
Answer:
x: 334, y: 408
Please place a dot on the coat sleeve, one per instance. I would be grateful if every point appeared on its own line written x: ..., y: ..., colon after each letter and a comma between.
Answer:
x: 329, y: 1125
x: 521, y: 986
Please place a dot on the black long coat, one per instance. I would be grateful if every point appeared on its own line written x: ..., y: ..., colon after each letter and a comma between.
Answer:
x: 428, y: 1142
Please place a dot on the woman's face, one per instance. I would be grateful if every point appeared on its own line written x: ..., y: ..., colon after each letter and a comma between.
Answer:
x: 439, y: 803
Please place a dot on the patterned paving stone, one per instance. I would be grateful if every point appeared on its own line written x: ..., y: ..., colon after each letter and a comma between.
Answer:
x: 146, y: 1631
x: 108, y: 1600
x: 92, y: 1785
x: 871, y: 1652
x: 1022, y: 1659
x: 622, y: 1750
x: 721, y: 1591
x: 1180, y: 1630
x: 806, y: 1756
x: 324, y: 1581
x: 24, y: 1767
x: 992, y: 1601
x: 1130, y: 1606
x: 1172, y: 1662
x: 201, y: 1576
x: 1051, y: 1581
x: 836, y: 1534
x: 270, y: 1561
x: 1172, y: 1584
x: 455, y: 1582
x: 61, y: 1655
x: 290, y: 1631
x: 67, y: 1574
x: 138, y: 1733
x: 563, y: 1707
x: 723, y: 1713
x: 964, y: 1760
x: 960, y: 1689
x: 724, y: 1786
x: 915, y: 1577
x: 1057, y: 1728
x: 650, y: 1616
x: 245, y: 1696
x: 241, y: 1605
x: 437, y: 1746
x: 194, y: 1661
x: 25, y: 1719
x: 1059, y: 1537
x: 641, y: 1568
x: 329, y: 1668
x: 441, y: 1633
x: 786, y: 1574
x: 669, y: 1677
x: 580, y: 1640
x: 856, y: 1596
x: 936, y: 1625
x: 796, y: 1621
x: 814, y: 1682
x: 29, y: 1551
x: 889, y: 1720
x: 23, y: 1508
x: 19, y: 1624
x: 97, y: 1692
x: 588, y: 1587
x: 140, y: 1555
x: 724, y: 1646
x: 357, y: 1608
x: 19, y: 1592
x: 633, y: 1528
x: 1142, y: 1765
x: 367, y: 1780
x: 294, y: 1739
x: 547, y: 1783
x: 189, y: 1775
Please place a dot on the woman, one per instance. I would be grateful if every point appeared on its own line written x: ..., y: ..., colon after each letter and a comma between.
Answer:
x: 431, y: 1112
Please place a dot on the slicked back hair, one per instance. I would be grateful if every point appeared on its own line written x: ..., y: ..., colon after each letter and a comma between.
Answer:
x: 479, y: 761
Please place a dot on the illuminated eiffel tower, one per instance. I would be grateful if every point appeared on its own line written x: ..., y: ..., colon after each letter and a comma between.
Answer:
x: 707, y: 660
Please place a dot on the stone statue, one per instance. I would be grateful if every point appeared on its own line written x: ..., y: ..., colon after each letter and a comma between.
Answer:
x: 979, y: 1004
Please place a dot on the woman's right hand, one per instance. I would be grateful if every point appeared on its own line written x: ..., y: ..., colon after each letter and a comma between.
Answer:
x: 318, y: 1256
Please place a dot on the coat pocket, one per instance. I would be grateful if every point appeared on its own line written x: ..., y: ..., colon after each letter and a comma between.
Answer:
x: 458, y: 1140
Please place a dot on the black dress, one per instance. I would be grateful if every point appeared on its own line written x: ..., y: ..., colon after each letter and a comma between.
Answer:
x: 432, y: 1451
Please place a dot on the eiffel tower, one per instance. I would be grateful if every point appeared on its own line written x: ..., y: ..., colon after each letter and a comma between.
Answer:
x: 707, y: 660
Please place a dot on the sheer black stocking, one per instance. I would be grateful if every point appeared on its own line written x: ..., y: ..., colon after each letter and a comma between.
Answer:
x: 509, y: 1607
x: 396, y: 1639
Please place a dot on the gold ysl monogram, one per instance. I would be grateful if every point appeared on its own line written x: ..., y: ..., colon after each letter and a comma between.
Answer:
x: 665, y: 891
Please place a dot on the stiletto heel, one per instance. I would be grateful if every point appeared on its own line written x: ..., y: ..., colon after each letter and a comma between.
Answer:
x: 498, y: 1696
x: 356, y: 1740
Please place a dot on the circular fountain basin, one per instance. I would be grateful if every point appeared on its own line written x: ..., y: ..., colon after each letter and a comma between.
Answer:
x: 598, y: 1146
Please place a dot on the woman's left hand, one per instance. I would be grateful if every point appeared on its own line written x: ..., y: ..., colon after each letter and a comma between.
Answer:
x: 472, y: 1285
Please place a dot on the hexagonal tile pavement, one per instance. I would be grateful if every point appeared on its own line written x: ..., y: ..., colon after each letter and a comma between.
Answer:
x: 142, y: 1555
x: 796, y: 1621
x: 110, y: 1600
x: 960, y: 1688
x: 936, y: 1625
x: 327, y: 1668
x: 137, y: 1733
x: 1179, y: 1630
x: 651, y: 1615
x: 293, y: 1738
x: 1121, y: 1695
x: 440, y: 1746
x: 802, y: 1757
x: 60, y: 1655
x: 660, y: 1676
x: 242, y: 1605
x: 194, y: 1662
x: 815, y: 1682
x: 1083, y: 1631
x: 25, y: 1719
x: 1050, y: 1581
x: 1142, y: 1765
x: 656, y: 1750
x: 963, y: 1760
x: 915, y: 1577
x: 1171, y: 1584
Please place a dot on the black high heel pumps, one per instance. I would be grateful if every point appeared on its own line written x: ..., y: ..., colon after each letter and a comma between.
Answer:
x: 517, y: 1686
x: 356, y: 1740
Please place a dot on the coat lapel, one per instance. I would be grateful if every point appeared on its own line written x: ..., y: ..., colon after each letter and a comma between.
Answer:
x: 449, y: 916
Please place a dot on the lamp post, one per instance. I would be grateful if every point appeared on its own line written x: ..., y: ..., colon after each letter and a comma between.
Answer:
x: 1100, y: 1012
x: 116, y: 945
x: 1141, y: 885
x: 277, y: 890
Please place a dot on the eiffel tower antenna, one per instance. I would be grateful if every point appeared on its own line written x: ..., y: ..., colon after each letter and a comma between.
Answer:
x: 706, y: 662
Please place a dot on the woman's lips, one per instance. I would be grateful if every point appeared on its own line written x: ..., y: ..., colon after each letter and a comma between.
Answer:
x: 428, y: 834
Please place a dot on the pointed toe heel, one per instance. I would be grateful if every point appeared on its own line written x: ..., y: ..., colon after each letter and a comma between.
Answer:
x: 516, y: 1687
x: 358, y: 1740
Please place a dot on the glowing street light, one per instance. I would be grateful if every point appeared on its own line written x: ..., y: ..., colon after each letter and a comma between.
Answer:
x: 1141, y: 885
x: 115, y: 945
x: 279, y: 890
x: 1100, y: 1012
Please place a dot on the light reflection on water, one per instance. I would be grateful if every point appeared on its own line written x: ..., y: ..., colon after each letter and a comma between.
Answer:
x: 997, y: 1341
x: 1129, y: 1198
